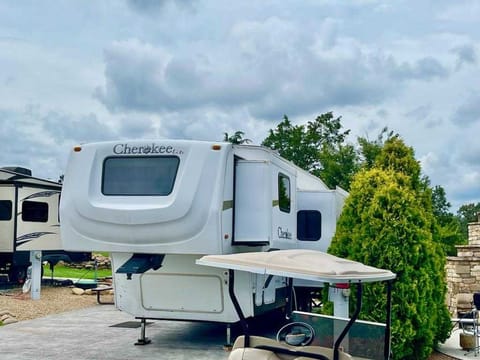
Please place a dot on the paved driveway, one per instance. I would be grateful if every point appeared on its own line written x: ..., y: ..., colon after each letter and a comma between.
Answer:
x: 88, y: 334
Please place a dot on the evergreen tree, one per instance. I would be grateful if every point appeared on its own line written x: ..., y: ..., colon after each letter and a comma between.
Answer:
x: 370, y: 149
x: 388, y: 222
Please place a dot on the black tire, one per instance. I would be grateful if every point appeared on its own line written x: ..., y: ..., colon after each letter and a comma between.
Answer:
x: 18, y: 275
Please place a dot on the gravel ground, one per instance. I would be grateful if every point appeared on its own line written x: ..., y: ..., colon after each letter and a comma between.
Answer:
x: 52, y: 300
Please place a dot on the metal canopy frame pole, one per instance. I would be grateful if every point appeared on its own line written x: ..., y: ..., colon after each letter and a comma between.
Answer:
x: 238, y: 309
x: 350, y: 322
x: 290, y: 299
x: 388, y: 321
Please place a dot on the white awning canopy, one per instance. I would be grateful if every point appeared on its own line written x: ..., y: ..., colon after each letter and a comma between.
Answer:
x: 299, y: 264
x: 10, y: 177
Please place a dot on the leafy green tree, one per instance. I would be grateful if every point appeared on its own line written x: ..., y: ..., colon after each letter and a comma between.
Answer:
x: 449, y: 232
x: 440, y: 204
x: 339, y: 165
x: 467, y: 213
x: 450, y: 235
x: 318, y: 147
x: 388, y: 222
x: 292, y: 142
x: 236, y: 138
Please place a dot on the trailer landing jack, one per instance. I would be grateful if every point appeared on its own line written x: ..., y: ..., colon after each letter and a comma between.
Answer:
x: 142, y: 340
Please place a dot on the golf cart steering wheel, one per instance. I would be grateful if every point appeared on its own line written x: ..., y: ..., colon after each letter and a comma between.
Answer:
x: 296, y: 334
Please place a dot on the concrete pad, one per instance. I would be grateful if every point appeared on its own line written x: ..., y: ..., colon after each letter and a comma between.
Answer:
x: 87, y: 334
x: 452, y: 348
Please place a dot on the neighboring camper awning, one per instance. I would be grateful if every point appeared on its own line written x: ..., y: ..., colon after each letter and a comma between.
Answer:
x: 299, y: 264
x: 10, y: 177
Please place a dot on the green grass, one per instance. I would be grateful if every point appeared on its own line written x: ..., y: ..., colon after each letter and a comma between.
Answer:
x: 66, y: 272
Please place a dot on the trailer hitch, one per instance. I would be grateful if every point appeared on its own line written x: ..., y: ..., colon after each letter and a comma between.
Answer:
x: 140, y: 263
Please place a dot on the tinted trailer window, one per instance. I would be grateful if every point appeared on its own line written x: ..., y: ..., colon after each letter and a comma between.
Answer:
x: 139, y: 176
x: 34, y: 211
x: 5, y: 210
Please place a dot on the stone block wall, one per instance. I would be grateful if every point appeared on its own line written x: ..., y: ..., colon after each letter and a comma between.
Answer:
x: 463, y: 270
x: 474, y: 233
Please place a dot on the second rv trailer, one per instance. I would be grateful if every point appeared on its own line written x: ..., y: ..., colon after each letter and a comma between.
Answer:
x: 157, y: 206
x: 29, y: 220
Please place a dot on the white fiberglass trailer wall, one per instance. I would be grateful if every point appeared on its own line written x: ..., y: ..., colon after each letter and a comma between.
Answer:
x: 157, y: 206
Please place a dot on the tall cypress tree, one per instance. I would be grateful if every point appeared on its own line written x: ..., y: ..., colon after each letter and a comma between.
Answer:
x: 388, y: 222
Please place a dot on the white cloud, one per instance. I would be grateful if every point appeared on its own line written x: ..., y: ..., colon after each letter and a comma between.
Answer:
x: 467, y: 112
x: 152, y: 7
x: 466, y: 55
x: 41, y: 140
x: 274, y: 68
x: 426, y: 68
x: 135, y: 74
x: 464, y: 11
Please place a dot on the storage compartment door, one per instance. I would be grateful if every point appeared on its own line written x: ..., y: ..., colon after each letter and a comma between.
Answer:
x: 253, y: 205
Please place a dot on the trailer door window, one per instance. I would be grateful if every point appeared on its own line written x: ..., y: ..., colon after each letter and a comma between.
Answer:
x: 5, y: 210
x: 284, y: 193
x: 309, y: 225
x: 139, y: 176
x: 34, y: 211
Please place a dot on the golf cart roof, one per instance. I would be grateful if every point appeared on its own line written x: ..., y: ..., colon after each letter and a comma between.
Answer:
x: 299, y: 264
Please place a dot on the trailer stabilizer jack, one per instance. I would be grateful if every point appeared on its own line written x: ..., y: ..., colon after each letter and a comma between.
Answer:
x: 142, y: 340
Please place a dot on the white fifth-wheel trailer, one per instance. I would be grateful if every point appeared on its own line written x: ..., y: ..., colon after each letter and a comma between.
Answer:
x: 158, y: 206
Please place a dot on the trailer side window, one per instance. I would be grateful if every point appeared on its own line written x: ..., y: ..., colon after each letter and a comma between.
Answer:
x: 34, y: 211
x: 309, y: 225
x: 139, y: 176
x: 5, y: 210
x: 284, y: 193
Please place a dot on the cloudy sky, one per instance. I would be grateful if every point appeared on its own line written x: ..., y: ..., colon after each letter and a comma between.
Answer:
x: 83, y: 71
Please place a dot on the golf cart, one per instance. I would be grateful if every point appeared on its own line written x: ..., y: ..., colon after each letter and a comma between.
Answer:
x: 310, y: 336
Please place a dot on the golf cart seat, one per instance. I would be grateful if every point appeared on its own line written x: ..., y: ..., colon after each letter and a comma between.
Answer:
x: 252, y: 354
x: 262, y: 348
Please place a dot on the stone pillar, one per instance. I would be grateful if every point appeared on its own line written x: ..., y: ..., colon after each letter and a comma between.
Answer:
x: 463, y: 270
x: 474, y: 232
